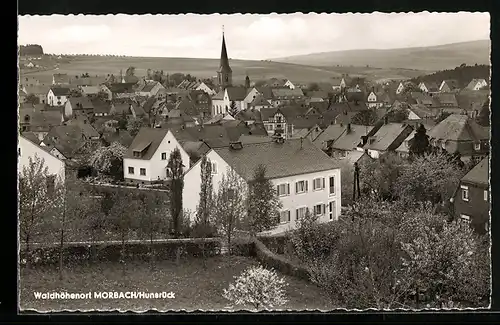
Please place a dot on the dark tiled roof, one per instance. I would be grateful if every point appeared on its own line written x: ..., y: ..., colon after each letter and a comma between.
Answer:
x: 87, y: 129
x: 447, y: 99
x: 452, y: 83
x: 331, y: 133
x: 40, y: 120
x: 236, y: 93
x: 474, y: 82
x: 148, y: 139
x: 480, y: 174
x: 349, y: 140
x: 101, y: 106
x: 122, y: 87
x: 248, y: 115
x: 80, y: 103
x: 60, y: 91
x: 65, y: 138
x: 249, y: 139
x: 259, y: 100
x: 61, y: 78
x: 122, y: 136
x: 266, y: 92
x: 287, y: 92
x: 37, y: 90
x: 472, y: 100
x: 293, y: 157
x: 458, y: 127
x: 386, y: 135
x: 32, y: 137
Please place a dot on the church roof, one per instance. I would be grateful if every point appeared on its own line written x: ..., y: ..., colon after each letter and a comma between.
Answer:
x: 224, y: 60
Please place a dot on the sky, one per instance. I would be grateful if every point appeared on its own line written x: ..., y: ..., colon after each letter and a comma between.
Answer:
x: 250, y: 37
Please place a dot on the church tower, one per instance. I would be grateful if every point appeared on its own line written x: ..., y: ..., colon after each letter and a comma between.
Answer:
x: 224, y: 74
x: 247, y: 82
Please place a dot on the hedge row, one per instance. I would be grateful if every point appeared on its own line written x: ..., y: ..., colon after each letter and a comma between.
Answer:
x: 276, y: 244
x: 111, y: 252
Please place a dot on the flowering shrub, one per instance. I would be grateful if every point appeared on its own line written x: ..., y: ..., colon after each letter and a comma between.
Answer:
x: 102, y: 159
x: 258, y: 287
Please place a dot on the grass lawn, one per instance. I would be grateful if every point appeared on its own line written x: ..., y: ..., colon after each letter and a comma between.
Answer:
x: 195, y: 288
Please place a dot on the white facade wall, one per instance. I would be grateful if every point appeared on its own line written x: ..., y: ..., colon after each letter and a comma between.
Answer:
x: 54, y: 100
x: 289, y: 84
x: 192, y: 186
x: 156, y: 166
x: 400, y: 88
x: 28, y: 149
x: 413, y: 116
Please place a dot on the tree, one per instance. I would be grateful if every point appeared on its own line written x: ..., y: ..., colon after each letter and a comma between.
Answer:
x: 203, y: 222
x: 313, y: 86
x: 102, y: 95
x: 442, y: 116
x: 263, y: 203
x: 176, y: 187
x: 109, y: 160
x: 75, y: 93
x: 35, y: 194
x: 233, y: 109
x: 134, y: 125
x: 410, y: 88
x: 258, y: 287
x: 32, y: 99
x: 419, y: 145
x: 378, y: 176
x: 483, y: 118
x: 365, y: 117
x: 229, y: 204
x: 122, y: 217
x: 152, y: 220
x: 123, y: 121
x: 130, y: 72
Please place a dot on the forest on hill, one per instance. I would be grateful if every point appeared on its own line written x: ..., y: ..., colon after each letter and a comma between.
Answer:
x: 463, y: 74
x: 30, y: 49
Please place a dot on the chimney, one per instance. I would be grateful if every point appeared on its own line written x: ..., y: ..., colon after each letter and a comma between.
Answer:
x: 386, y: 119
x: 348, y: 128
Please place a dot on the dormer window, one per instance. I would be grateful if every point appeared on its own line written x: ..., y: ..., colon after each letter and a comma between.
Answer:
x: 477, y: 146
x: 371, y: 140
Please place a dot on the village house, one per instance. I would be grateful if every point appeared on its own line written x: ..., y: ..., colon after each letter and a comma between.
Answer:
x: 283, y: 96
x: 471, y: 102
x: 118, y: 90
x: 65, y: 141
x: 197, y: 85
x: 275, y: 122
x: 400, y: 88
x: 289, y: 84
x: 38, y: 121
x: 338, y: 83
x: 27, y: 149
x: 477, y: 84
x: 372, y: 100
x: 460, y: 133
x: 39, y: 91
x: 341, y: 139
x: 446, y: 101
x: 146, y: 160
x: 77, y: 106
x: 471, y: 200
x: 148, y: 88
x: 221, y: 102
x: 249, y: 116
x: 57, y: 96
x: 450, y: 85
x: 276, y: 83
x: 428, y: 87
x: 404, y: 149
x: 259, y: 102
x: 89, y: 90
x: 387, y: 138
x: 61, y: 79
x: 305, y: 177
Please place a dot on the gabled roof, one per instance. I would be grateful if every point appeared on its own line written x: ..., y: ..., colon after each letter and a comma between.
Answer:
x: 431, y: 86
x: 293, y: 157
x: 40, y: 120
x: 386, y: 135
x: 355, y: 156
x: 148, y: 86
x: 266, y: 92
x: 122, y: 88
x: 287, y: 92
x: 80, y: 103
x: 60, y: 91
x: 31, y: 136
x: 121, y: 136
x: 236, y: 93
x: 259, y: 100
x: 451, y: 83
x: 472, y: 100
x: 349, y: 140
x: 147, y: 139
x: 446, y: 98
x: 87, y: 129
x: 474, y: 82
x: 480, y: 174
x: 318, y: 94
x: 249, y: 139
x: 101, y: 106
x: 458, y: 127
x: 65, y: 138
x: 249, y: 115
x: 331, y: 133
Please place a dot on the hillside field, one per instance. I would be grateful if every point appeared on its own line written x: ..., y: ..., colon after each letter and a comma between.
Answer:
x: 206, y: 68
x: 431, y: 58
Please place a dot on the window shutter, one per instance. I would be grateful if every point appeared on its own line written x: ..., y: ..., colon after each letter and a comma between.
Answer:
x: 324, y: 207
x: 297, y: 214
x: 323, y: 182
x: 278, y: 190
x: 306, y: 184
x: 297, y: 187
x: 288, y: 192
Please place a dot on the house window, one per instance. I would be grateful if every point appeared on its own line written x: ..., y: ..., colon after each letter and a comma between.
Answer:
x: 477, y: 146
x: 285, y: 216
x: 319, y: 209
x: 301, y: 187
x: 318, y: 184
x: 332, y: 185
x: 214, y: 167
x: 300, y: 213
x: 465, y: 219
x: 332, y: 209
x: 270, y: 127
x: 131, y: 170
x: 485, y: 195
x: 143, y: 171
x: 465, y: 193
x: 283, y: 189
x: 163, y: 156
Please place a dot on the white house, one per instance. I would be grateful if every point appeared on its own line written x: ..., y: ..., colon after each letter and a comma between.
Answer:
x: 477, y: 84
x: 147, y: 157
x: 289, y: 84
x: 57, y: 96
x: 304, y: 177
x: 27, y: 149
x: 372, y: 100
x: 30, y: 65
x: 221, y: 102
x: 400, y: 88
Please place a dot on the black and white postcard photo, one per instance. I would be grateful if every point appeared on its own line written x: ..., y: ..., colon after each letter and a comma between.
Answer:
x: 254, y: 162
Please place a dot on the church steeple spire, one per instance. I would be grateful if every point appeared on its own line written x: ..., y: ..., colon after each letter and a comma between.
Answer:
x: 224, y: 74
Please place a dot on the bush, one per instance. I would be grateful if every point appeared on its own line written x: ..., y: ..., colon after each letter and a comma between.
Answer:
x: 74, y: 254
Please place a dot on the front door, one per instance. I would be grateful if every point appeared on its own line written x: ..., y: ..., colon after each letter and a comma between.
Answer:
x: 331, y: 210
